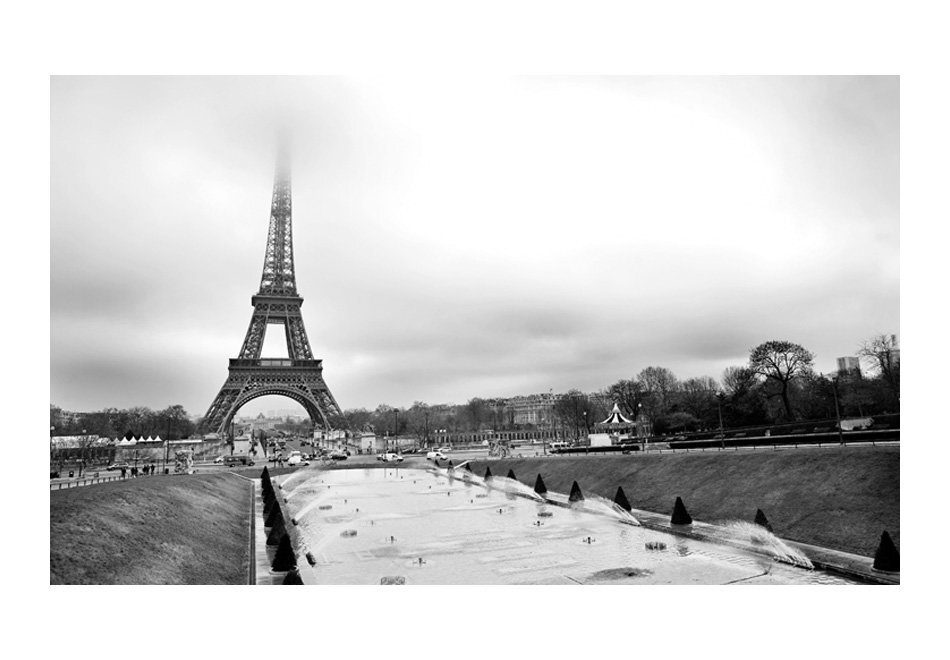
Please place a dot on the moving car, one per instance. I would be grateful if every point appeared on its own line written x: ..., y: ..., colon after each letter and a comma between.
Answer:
x: 389, y: 457
x: 297, y: 458
x: 219, y: 459
x: 435, y: 455
x: 338, y: 456
x: 117, y: 466
x: 241, y: 459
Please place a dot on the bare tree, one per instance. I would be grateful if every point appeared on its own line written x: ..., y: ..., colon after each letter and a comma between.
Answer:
x: 781, y: 361
x: 884, y: 354
x: 628, y: 394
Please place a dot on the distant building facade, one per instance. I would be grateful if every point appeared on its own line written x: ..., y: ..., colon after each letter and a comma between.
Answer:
x: 849, y: 367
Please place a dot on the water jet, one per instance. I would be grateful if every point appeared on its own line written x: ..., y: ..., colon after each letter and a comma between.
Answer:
x: 620, y: 499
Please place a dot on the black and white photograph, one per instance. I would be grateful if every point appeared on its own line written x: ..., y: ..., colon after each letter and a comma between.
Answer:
x: 526, y: 329
x: 559, y: 330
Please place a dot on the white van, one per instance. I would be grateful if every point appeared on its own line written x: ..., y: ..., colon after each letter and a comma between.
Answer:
x: 557, y: 447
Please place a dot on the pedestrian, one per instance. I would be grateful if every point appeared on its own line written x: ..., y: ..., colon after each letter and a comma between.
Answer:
x: 152, y: 468
x: 123, y: 472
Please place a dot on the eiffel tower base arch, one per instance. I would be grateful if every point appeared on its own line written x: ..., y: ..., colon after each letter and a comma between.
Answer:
x: 300, y: 380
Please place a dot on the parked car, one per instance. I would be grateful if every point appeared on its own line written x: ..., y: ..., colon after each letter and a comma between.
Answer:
x: 338, y: 456
x: 435, y: 455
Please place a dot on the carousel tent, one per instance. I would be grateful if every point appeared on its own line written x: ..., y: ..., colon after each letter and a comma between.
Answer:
x: 616, y: 420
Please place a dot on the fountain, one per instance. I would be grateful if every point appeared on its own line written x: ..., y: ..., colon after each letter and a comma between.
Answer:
x: 763, y: 541
x: 471, y: 542
x: 620, y: 499
x: 513, y: 487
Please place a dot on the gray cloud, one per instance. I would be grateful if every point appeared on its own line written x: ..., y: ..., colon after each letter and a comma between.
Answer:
x: 468, y: 238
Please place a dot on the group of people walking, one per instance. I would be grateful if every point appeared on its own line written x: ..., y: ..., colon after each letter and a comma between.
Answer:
x: 136, y: 471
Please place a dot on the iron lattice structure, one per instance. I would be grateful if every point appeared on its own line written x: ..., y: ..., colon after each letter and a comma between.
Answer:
x: 249, y: 375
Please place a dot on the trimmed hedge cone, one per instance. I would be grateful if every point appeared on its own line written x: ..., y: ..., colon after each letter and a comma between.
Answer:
x: 620, y: 499
x: 293, y: 577
x: 276, y: 532
x: 511, y: 475
x: 274, y: 517
x: 576, y: 494
x: 761, y: 520
x: 284, y: 560
x: 680, y: 515
x: 887, y: 559
x: 539, y: 486
x: 487, y: 473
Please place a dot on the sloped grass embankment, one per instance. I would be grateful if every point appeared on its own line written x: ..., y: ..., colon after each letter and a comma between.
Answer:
x: 840, y: 498
x: 152, y: 530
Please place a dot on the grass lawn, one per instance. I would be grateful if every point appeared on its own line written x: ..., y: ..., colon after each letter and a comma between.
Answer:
x: 840, y: 498
x: 152, y: 530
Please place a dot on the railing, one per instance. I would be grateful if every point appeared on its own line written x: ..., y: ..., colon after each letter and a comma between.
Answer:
x: 86, y: 481
x: 264, y: 363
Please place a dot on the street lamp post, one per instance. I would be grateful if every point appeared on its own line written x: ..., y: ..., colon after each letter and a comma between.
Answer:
x: 720, y: 395
x: 427, y: 428
x: 834, y: 390
x: 395, y: 428
x: 51, y: 429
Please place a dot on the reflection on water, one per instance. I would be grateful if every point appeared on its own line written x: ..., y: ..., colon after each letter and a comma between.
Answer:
x: 433, y: 529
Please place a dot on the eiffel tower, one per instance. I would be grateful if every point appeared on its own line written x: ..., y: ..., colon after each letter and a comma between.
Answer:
x: 249, y: 375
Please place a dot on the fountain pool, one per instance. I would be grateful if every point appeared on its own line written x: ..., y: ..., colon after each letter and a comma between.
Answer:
x: 434, y: 527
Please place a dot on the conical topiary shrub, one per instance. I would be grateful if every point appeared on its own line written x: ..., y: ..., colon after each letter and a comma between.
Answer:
x: 277, y: 531
x: 284, y: 559
x: 511, y: 475
x: 761, y: 520
x: 451, y: 467
x: 468, y: 466
x: 293, y: 577
x: 274, y: 517
x: 265, y: 477
x: 539, y: 486
x: 487, y: 473
x: 620, y: 499
x: 887, y: 558
x: 680, y: 514
x: 576, y: 494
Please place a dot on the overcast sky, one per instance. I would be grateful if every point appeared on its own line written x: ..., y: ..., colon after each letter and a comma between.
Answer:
x: 467, y: 237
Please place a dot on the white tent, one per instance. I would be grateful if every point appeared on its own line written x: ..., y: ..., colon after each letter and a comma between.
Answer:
x: 616, y: 418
